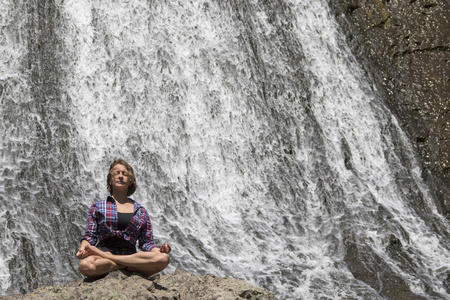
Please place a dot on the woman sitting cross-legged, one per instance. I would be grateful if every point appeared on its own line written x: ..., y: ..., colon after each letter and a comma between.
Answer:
x: 116, y: 224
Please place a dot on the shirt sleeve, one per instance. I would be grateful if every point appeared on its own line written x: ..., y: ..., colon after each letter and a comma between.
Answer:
x: 146, y: 242
x: 91, y: 234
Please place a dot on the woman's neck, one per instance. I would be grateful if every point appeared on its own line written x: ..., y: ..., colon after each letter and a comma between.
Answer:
x: 120, y: 197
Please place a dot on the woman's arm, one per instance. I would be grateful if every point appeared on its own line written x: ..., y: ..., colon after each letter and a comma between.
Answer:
x: 91, y: 233
x: 146, y: 242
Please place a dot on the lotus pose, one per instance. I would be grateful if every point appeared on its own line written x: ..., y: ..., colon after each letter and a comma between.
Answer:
x: 115, y: 225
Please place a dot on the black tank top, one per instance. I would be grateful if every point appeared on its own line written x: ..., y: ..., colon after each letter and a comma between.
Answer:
x: 123, y: 220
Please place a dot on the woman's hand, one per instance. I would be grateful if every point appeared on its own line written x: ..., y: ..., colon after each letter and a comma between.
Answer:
x: 165, y: 248
x: 83, y: 252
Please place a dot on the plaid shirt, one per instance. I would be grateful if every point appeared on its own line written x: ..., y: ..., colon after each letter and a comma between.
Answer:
x: 102, y: 224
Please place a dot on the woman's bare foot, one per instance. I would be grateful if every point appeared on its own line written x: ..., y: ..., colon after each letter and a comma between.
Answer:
x: 92, y: 250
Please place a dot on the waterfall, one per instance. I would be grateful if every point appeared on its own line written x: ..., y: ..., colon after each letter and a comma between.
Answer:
x: 262, y: 150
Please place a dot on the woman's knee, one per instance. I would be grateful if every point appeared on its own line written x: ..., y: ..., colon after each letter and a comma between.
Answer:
x: 86, y: 267
x: 165, y: 259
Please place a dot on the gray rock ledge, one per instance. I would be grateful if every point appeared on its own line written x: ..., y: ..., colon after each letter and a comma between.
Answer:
x: 121, y: 285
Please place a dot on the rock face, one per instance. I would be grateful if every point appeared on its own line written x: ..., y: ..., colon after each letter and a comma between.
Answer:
x: 405, y: 46
x: 121, y: 285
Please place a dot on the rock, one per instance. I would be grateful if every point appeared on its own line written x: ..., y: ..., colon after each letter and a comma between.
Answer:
x: 368, y: 267
x: 122, y: 285
x: 405, y: 48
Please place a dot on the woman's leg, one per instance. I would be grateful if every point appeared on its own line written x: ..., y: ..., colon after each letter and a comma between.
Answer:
x: 94, y: 266
x: 146, y: 263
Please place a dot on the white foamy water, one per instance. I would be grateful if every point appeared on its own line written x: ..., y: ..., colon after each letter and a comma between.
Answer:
x: 260, y: 147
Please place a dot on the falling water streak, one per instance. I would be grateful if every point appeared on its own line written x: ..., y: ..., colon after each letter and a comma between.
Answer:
x: 257, y: 142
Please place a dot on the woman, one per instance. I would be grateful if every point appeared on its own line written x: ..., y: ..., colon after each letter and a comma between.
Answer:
x: 116, y: 224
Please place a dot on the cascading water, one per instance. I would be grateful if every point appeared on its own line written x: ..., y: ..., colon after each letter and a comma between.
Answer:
x: 261, y: 149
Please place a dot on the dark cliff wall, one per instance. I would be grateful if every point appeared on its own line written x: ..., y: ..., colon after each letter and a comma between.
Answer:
x: 405, y: 47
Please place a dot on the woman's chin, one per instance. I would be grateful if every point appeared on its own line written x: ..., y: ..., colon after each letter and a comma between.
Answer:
x: 120, y: 188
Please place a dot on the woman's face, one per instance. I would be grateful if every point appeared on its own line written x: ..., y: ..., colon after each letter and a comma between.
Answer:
x: 120, y: 178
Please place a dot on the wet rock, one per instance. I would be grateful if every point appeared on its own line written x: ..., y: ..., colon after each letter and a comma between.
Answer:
x: 122, y: 285
x: 405, y: 48
x: 368, y: 267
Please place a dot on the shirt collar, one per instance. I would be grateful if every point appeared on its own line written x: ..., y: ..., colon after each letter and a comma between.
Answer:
x: 136, y: 205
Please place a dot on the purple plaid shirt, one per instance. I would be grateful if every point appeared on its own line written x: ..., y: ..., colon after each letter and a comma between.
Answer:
x: 102, y: 224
